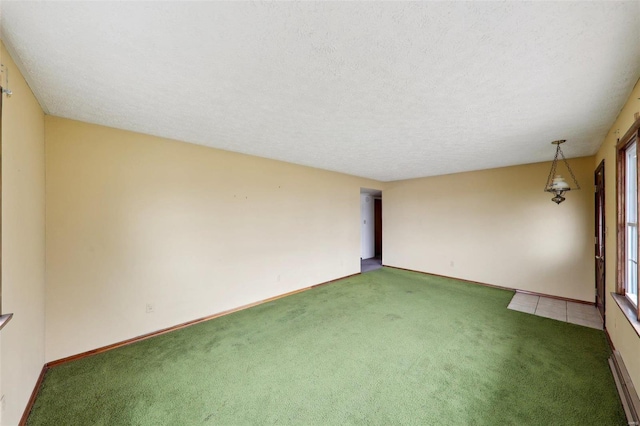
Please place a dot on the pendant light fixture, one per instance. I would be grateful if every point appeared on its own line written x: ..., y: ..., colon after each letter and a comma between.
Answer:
x: 555, y: 182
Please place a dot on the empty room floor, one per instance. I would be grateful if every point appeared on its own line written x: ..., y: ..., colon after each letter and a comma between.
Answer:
x: 574, y: 313
x: 389, y: 346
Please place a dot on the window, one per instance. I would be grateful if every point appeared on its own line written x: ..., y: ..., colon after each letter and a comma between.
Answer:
x: 627, y: 180
x: 631, y: 223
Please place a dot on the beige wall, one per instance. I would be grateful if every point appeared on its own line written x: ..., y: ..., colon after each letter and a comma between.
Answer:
x: 623, y: 336
x: 135, y: 219
x: 23, y: 256
x: 495, y: 226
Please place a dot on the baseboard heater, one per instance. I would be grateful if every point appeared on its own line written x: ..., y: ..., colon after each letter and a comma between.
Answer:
x: 627, y: 391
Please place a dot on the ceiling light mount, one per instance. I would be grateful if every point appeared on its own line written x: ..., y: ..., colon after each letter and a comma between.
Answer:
x: 555, y: 182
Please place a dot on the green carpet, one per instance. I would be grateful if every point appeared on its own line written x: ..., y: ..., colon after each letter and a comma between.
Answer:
x: 385, y: 347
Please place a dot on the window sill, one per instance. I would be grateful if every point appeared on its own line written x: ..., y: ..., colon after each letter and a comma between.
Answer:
x: 4, y: 319
x: 628, y: 310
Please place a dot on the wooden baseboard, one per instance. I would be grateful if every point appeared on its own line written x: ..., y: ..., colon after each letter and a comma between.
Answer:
x: 183, y: 325
x: 327, y: 282
x: 496, y: 286
x: 34, y: 394
x: 566, y: 299
x: 451, y: 278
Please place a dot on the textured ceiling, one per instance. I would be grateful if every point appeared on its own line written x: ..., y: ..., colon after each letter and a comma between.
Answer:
x: 383, y: 90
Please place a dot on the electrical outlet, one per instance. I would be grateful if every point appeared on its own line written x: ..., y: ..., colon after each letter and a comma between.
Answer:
x: 150, y: 308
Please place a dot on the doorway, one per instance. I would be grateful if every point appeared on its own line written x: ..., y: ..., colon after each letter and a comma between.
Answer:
x: 377, y: 226
x: 600, y: 233
x: 370, y: 229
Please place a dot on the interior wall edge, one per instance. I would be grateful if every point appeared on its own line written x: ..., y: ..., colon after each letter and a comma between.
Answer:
x: 22, y: 351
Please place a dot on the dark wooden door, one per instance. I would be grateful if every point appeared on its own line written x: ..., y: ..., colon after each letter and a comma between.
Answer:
x: 599, y: 238
x: 377, y: 218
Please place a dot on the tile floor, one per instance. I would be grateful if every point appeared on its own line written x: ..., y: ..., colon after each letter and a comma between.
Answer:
x: 372, y: 264
x: 575, y: 313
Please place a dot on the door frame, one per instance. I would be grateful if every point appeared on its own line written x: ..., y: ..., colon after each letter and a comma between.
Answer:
x: 377, y: 227
x: 600, y: 263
